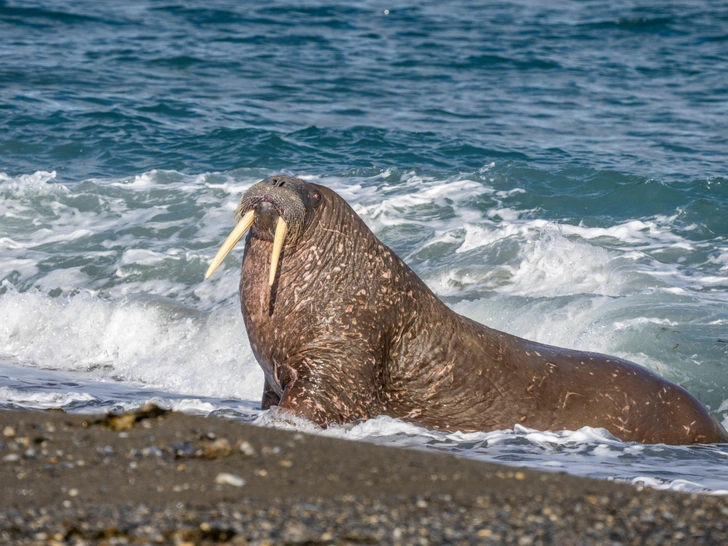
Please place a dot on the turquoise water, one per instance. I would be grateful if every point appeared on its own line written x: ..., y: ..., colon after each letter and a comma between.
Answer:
x: 556, y: 172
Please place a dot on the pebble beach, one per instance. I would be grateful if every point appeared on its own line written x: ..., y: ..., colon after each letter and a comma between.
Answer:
x: 158, y: 477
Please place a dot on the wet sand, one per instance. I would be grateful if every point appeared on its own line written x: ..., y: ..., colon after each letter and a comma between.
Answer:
x: 169, y: 478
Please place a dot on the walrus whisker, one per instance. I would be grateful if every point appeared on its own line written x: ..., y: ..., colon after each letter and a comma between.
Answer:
x: 281, y: 229
x: 235, y: 236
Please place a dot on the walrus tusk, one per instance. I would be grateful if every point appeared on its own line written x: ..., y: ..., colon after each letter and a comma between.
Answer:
x: 231, y: 241
x: 281, y: 229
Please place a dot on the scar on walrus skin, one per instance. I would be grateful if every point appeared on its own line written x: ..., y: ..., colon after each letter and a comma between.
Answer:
x: 344, y: 331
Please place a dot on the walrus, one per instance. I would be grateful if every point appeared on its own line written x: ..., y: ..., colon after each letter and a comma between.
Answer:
x: 344, y: 331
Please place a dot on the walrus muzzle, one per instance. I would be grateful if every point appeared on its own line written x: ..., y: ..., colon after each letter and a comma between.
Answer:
x: 239, y: 232
x: 285, y: 202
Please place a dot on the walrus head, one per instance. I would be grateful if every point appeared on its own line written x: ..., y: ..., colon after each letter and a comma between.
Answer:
x: 280, y: 208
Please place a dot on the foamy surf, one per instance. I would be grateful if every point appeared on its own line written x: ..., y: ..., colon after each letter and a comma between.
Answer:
x: 103, y: 307
x: 151, y: 341
x: 587, y: 452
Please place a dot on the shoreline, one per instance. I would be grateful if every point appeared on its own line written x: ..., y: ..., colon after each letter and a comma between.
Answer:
x: 154, y: 476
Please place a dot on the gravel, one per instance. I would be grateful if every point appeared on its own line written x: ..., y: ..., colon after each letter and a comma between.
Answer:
x: 154, y: 477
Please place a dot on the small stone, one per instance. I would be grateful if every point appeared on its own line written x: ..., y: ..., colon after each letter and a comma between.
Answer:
x: 520, y: 476
x: 73, y: 492
x: 11, y: 458
x: 485, y: 533
x: 122, y: 422
x: 246, y: 448
x: 152, y: 451
x: 225, y: 478
x: 217, y: 449
x: 9, y: 432
x: 285, y: 463
x: 297, y: 533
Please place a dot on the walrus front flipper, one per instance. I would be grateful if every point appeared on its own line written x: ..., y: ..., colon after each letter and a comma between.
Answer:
x: 325, y: 398
x: 270, y: 397
x: 295, y: 399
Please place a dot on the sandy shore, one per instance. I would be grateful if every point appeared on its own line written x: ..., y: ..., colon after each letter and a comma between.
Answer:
x: 169, y: 478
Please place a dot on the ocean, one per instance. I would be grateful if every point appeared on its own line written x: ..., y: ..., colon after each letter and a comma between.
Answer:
x: 556, y: 172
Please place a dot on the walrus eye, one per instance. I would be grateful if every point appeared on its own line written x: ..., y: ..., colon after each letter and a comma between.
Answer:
x: 317, y: 196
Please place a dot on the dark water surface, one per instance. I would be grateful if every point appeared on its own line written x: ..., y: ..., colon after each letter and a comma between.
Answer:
x: 104, y: 89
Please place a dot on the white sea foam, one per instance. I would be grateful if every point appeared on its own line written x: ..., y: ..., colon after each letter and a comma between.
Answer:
x: 685, y: 486
x: 533, y: 257
x: 153, y: 341
x: 590, y: 452
x: 384, y: 429
x: 194, y: 406
x: 551, y: 265
x: 70, y: 228
x: 43, y: 400
x: 38, y: 183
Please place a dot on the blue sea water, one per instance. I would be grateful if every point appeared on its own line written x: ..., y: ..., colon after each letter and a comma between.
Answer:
x: 558, y: 172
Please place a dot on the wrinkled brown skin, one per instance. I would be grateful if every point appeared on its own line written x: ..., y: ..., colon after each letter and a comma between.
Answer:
x: 349, y: 332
